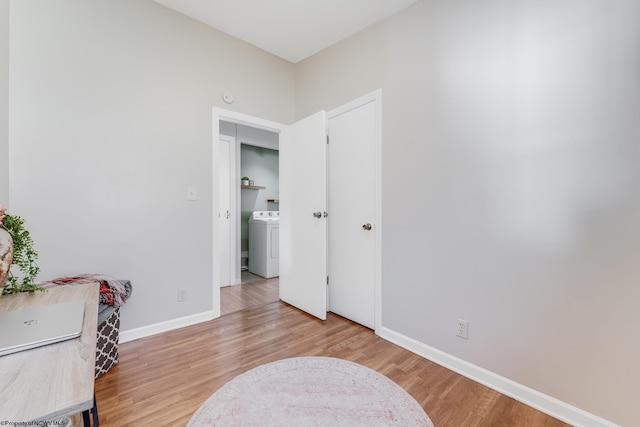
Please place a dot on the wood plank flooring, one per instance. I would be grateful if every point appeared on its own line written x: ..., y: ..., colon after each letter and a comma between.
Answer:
x: 163, y: 379
x: 246, y: 295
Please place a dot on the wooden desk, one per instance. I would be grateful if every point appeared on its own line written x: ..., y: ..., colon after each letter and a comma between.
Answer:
x: 55, y: 380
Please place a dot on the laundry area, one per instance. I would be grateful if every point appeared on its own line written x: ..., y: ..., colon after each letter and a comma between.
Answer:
x: 264, y: 243
x: 255, y: 172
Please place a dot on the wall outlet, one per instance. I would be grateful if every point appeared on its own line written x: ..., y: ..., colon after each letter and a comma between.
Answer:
x: 182, y: 295
x: 462, y: 329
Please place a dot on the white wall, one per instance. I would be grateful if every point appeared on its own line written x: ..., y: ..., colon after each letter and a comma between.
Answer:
x: 258, y: 137
x: 518, y: 119
x: 110, y: 122
x: 511, y: 186
x: 4, y: 102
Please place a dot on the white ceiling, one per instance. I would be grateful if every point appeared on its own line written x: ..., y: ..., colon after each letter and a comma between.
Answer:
x: 290, y: 29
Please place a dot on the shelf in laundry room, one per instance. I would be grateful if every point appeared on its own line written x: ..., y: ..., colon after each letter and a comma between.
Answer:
x: 252, y: 187
x: 273, y: 200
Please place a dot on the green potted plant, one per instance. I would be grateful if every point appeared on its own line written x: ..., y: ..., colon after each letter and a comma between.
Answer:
x: 245, y: 180
x: 17, y: 250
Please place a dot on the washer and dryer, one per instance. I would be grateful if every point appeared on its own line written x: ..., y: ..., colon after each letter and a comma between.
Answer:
x: 264, y: 243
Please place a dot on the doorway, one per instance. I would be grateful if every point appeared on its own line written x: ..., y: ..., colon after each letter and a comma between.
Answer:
x: 313, y: 287
x: 252, y: 153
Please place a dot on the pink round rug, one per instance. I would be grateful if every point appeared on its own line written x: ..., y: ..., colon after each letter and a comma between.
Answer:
x: 310, y: 391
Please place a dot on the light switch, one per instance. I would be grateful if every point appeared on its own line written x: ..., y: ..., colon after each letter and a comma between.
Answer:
x: 192, y: 193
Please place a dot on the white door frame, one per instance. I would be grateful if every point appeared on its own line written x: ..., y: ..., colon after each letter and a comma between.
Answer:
x: 376, y: 98
x: 242, y: 119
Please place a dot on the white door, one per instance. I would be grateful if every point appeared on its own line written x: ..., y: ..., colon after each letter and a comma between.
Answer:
x: 226, y: 253
x: 303, y: 225
x: 352, y: 161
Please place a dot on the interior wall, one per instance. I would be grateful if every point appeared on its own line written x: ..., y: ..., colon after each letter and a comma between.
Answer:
x: 4, y: 102
x: 110, y: 123
x: 510, y: 185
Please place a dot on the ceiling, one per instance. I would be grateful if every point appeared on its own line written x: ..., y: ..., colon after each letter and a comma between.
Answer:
x: 290, y: 29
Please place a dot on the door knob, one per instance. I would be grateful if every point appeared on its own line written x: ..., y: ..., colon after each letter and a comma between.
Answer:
x: 317, y: 214
x: 366, y: 226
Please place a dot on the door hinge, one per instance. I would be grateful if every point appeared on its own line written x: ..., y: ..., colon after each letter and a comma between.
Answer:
x: 327, y: 280
x: 327, y: 139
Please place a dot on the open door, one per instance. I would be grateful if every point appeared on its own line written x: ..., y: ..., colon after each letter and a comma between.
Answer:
x: 303, y: 199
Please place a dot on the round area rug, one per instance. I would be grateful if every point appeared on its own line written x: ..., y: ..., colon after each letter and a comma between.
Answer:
x: 311, y: 391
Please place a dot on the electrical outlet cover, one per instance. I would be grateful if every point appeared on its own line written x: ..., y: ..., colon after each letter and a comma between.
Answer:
x: 462, y: 329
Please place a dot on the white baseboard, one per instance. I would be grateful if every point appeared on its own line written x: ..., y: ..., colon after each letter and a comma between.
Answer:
x: 169, y: 325
x: 530, y: 397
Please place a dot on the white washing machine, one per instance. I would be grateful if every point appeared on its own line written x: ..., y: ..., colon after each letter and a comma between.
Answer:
x: 264, y: 243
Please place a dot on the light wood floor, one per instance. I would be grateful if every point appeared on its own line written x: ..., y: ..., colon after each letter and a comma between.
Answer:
x: 162, y: 380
